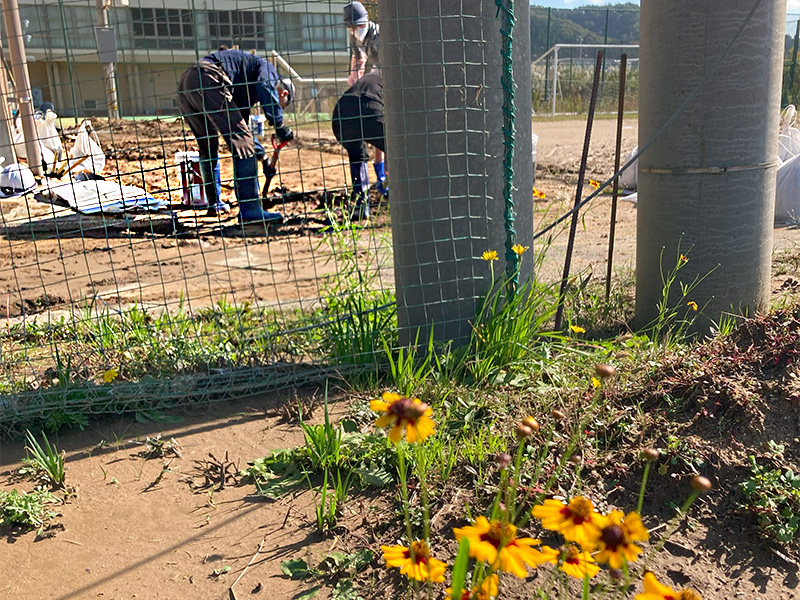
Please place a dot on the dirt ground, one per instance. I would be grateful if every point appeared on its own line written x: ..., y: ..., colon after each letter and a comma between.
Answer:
x: 130, y: 534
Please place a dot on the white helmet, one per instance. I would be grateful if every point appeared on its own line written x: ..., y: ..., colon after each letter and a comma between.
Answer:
x: 16, y: 179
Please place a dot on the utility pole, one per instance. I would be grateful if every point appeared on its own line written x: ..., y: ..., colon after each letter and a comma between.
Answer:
x: 106, y: 52
x: 22, y: 90
x: 6, y: 143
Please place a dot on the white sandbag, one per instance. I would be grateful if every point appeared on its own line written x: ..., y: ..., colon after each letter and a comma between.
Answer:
x: 95, y: 196
x: 787, y: 192
x: 788, y: 144
x: 87, y: 145
x: 629, y: 178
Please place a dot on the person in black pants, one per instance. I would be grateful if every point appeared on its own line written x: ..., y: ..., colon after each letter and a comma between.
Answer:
x: 358, y: 121
x: 215, y: 96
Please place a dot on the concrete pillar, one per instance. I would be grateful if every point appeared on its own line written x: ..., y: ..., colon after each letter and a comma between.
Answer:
x: 19, y: 66
x: 688, y: 202
x: 441, y: 68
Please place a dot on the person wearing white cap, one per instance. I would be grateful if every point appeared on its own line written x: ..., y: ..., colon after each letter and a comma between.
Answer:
x: 364, y: 41
x: 215, y: 96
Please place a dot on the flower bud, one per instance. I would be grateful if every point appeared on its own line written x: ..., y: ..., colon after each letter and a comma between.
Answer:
x: 605, y: 371
x: 701, y: 484
x: 532, y: 423
x: 558, y: 415
x: 650, y: 454
x: 523, y: 431
x: 503, y: 460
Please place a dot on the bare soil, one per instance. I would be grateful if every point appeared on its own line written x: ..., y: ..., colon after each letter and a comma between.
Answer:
x: 146, y: 529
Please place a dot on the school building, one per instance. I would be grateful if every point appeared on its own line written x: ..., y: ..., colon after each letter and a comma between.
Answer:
x: 157, y: 39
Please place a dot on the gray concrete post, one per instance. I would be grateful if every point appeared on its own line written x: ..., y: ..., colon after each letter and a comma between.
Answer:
x: 708, y: 183
x: 441, y: 68
x: 19, y: 66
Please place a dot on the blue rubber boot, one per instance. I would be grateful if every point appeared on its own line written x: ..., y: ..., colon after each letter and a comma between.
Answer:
x: 245, y: 175
x: 359, y: 198
x: 212, y: 184
x: 380, y: 173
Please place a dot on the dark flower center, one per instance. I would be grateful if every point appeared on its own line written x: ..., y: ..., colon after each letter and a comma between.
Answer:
x: 498, y: 535
x: 613, y: 536
x: 400, y: 407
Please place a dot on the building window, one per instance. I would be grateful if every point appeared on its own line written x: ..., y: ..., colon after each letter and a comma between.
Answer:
x: 162, y: 27
x: 236, y: 28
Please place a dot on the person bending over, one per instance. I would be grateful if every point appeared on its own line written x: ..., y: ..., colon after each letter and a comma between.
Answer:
x: 215, y: 97
x: 358, y: 121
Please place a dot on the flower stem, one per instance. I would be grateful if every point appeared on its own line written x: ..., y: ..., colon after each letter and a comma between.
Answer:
x: 402, y: 473
x: 641, y: 489
x: 585, y: 595
x: 422, y: 467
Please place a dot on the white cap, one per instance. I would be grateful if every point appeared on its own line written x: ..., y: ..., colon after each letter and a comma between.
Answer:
x: 16, y: 179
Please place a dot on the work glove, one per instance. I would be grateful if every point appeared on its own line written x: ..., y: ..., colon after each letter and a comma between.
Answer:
x: 380, y: 173
x: 268, y: 169
x: 284, y: 134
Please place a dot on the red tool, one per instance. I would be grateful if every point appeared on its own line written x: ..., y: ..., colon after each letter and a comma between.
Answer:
x: 270, y: 171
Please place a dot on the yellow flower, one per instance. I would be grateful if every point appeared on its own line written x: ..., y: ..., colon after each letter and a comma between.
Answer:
x: 401, y: 412
x: 538, y: 194
x: 577, y: 521
x: 683, y: 259
x: 497, y: 543
x: 594, y: 184
x: 596, y: 383
x: 485, y: 591
x: 578, y: 564
x: 656, y: 591
x: 110, y: 375
x: 423, y: 567
x: 520, y: 249
x: 617, y: 534
x: 490, y: 255
x: 692, y: 304
x: 577, y: 329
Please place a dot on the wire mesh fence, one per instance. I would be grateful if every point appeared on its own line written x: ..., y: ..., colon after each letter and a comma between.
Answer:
x: 122, y: 291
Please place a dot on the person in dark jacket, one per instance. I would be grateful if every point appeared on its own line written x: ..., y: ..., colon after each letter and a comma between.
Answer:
x: 215, y: 97
x: 358, y: 121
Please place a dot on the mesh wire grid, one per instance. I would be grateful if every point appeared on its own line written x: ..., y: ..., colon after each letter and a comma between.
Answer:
x: 118, y: 312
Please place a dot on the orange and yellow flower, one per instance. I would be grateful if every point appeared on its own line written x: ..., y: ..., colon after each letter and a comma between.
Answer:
x: 692, y: 304
x: 618, y: 533
x: 422, y: 567
x: 519, y: 249
x: 576, y: 521
x: 538, y: 194
x: 400, y: 412
x: 497, y: 543
x: 656, y: 591
x: 490, y: 255
x: 683, y: 259
x: 487, y: 590
x: 594, y: 184
x: 578, y: 564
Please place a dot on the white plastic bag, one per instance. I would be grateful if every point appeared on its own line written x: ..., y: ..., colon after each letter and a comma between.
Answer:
x: 787, y: 192
x: 48, y: 135
x: 18, y: 137
x: 629, y: 178
x: 87, y: 145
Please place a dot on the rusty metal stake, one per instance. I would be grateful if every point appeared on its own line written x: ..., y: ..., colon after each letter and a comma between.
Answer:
x: 623, y: 65
x: 581, y: 174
